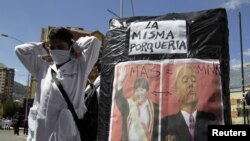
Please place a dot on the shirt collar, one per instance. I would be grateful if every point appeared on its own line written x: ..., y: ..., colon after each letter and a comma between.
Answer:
x: 186, y: 116
x: 67, y: 68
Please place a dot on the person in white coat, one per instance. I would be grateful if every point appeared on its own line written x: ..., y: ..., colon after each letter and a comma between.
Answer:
x: 49, y: 118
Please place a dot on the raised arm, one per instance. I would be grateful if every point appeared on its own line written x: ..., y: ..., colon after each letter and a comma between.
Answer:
x: 88, y: 47
x: 30, y: 54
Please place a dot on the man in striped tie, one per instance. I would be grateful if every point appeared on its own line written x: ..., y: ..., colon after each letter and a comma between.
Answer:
x: 189, y: 124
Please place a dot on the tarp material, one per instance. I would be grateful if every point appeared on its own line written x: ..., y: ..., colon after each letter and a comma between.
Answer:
x: 201, y: 35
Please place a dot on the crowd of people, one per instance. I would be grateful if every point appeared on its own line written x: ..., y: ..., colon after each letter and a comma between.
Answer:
x: 15, y: 123
x: 6, y: 123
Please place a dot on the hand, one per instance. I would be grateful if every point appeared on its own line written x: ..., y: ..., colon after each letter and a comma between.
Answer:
x: 75, y: 54
x: 47, y: 58
x: 75, y: 47
x: 45, y: 45
x: 122, y: 76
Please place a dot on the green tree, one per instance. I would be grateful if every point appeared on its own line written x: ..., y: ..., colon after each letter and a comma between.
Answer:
x: 10, y: 108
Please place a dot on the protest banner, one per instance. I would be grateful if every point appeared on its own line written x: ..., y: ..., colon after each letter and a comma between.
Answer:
x: 141, y: 60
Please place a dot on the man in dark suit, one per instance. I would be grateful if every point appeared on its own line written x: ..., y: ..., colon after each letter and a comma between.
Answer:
x: 139, y: 114
x: 189, y: 124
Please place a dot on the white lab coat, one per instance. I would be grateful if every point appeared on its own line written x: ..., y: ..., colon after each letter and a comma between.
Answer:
x: 49, y: 118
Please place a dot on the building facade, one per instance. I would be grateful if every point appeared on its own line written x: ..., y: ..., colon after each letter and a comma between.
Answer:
x: 6, y: 83
x: 240, y: 111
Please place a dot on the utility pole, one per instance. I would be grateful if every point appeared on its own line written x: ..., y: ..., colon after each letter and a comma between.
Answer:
x: 132, y: 5
x: 242, y: 71
x: 27, y: 96
x: 121, y: 8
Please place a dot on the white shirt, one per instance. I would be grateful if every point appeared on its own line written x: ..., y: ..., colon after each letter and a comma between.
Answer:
x: 146, y: 119
x: 49, y: 117
x: 186, y: 116
x: 144, y: 113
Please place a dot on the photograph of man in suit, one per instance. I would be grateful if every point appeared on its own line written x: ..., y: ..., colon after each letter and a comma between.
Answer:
x: 139, y: 114
x: 189, y: 124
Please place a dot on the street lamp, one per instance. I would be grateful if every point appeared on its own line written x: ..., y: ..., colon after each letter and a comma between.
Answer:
x: 121, y: 8
x: 7, y: 36
x: 28, y: 85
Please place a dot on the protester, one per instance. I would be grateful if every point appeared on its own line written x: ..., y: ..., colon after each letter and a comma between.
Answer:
x: 16, y: 123
x: 25, y: 126
x: 49, y: 117
x: 7, y: 124
x: 1, y: 123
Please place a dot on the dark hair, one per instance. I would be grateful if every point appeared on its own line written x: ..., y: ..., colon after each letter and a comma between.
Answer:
x: 62, y: 34
x: 141, y: 83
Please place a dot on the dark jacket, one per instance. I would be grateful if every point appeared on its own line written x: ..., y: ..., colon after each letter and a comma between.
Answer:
x: 175, y: 125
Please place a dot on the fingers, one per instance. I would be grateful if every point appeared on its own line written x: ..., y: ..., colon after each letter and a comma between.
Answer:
x: 46, y: 45
x: 47, y: 58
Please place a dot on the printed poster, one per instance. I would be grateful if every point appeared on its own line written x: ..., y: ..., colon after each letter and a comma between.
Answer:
x: 173, y: 99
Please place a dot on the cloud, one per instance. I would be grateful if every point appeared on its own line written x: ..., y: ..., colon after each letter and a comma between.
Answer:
x: 235, y: 63
x: 233, y: 4
x: 247, y: 52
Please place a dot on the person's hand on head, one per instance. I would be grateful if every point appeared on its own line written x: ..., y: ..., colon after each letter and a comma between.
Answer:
x: 74, y: 52
x: 47, y: 56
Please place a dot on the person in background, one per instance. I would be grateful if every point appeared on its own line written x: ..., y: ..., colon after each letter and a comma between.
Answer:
x: 8, y: 123
x: 1, y: 123
x: 16, y: 123
x: 49, y: 117
x: 25, y: 126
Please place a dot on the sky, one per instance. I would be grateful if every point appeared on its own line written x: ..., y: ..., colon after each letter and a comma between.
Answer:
x: 23, y: 20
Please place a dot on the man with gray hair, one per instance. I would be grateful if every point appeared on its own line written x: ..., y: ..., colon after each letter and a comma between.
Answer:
x: 189, y: 124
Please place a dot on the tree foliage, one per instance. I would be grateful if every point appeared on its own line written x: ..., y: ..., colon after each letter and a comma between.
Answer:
x: 10, y: 108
